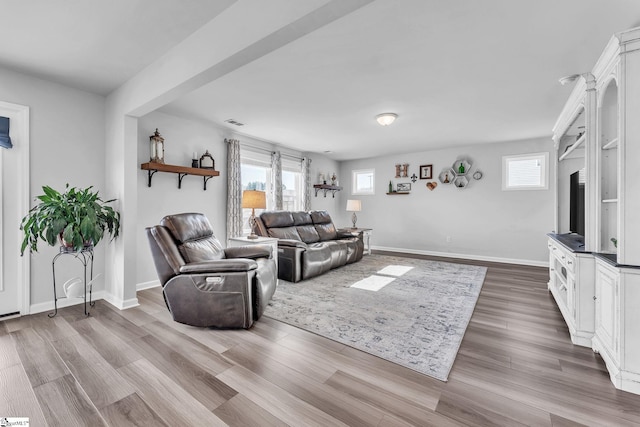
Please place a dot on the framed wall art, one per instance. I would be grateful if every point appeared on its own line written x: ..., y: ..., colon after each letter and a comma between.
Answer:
x: 404, y: 187
x: 426, y: 172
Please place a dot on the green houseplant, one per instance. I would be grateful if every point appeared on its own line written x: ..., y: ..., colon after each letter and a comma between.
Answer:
x: 76, y: 218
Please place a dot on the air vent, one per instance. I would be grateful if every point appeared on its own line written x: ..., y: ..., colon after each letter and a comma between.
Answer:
x: 233, y: 122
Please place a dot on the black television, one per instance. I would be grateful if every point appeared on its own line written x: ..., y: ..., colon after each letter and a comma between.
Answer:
x: 576, y: 202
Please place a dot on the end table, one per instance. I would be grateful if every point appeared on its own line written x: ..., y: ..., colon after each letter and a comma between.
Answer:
x: 366, y: 236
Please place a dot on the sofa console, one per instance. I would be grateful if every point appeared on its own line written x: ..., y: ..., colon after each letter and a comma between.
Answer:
x: 308, y: 243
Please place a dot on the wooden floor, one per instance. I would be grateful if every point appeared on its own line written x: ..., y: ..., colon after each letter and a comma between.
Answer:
x: 516, y: 366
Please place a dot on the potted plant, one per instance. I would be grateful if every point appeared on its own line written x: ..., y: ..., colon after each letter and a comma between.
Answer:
x: 76, y: 218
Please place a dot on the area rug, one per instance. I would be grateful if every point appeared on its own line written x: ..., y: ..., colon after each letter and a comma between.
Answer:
x: 416, y: 317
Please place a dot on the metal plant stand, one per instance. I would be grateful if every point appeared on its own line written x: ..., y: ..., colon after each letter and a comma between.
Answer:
x: 85, y: 256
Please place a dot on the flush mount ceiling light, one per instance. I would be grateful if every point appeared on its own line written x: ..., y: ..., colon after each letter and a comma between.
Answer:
x: 385, y: 119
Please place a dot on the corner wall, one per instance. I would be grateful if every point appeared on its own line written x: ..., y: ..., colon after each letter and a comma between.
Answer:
x: 181, y: 138
x: 479, y: 222
x: 67, y: 138
x: 321, y: 164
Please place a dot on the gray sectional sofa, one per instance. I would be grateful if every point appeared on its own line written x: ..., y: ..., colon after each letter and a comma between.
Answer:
x: 308, y: 243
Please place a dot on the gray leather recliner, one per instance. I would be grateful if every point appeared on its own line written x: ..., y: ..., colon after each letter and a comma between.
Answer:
x: 204, y: 284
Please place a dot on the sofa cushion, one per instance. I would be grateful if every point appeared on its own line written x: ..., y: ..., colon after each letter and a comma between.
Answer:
x: 316, y: 260
x: 301, y: 218
x: 208, y: 249
x: 321, y: 217
x: 277, y: 219
x: 326, y: 231
x: 187, y: 226
x: 339, y: 252
x: 285, y: 233
x: 308, y: 233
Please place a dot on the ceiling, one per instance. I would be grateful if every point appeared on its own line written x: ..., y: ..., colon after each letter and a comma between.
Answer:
x: 456, y: 72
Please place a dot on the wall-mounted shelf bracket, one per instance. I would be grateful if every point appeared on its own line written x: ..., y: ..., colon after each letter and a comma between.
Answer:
x: 182, y: 171
x: 327, y: 187
x: 180, y: 176
x: 151, y: 173
x: 205, y: 178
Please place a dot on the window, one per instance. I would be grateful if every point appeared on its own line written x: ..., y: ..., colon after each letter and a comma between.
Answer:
x: 363, y: 181
x: 255, y: 172
x: 291, y: 184
x: 525, y: 172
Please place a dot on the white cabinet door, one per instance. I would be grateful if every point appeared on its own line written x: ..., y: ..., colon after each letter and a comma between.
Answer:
x: 607, y: 309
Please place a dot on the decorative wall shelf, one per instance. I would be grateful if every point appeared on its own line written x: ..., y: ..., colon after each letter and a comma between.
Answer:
x: 460, y: 182
x: 182, y: 171
x: 446, y: 176
x: 398, y: 192
x: 456, y: 166
x: 327, y: 187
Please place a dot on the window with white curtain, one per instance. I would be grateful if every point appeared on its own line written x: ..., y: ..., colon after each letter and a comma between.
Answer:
x: 291, y: 184
x: 256, y: 175
x: 255, y: 172
x: 525, y: 172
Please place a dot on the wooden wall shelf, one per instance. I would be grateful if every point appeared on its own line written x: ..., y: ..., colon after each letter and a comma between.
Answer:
x: 398, y: 193
x: 327, y: 187
x: 182, y: 171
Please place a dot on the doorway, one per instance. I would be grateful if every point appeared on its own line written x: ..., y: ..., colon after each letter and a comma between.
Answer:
x: 14, y: 204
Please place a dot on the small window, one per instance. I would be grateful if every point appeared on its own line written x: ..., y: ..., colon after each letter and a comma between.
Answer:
x: 525, y: 172
x: 363, y: 181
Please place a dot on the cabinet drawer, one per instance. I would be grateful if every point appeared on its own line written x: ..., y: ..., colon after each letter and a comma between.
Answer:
x: 564, y: 257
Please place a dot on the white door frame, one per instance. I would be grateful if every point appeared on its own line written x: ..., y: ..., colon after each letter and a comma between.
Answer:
x: 19, y: 132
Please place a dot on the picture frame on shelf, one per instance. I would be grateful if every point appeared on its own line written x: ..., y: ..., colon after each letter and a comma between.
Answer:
x: 403, y: 187
x: 206, y: 161
x: 426, y: 172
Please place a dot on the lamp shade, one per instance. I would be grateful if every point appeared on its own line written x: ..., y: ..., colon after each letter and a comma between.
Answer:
x: 354, y: 206
x: 254, y: 199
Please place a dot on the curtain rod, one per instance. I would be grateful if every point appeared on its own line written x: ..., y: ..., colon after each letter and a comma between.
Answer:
x: 270, y: 151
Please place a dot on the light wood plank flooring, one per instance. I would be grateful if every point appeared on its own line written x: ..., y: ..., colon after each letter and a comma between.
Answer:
x: 516, y: 366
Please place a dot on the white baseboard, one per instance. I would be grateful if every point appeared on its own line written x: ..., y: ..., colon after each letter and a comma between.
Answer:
x: 464, y: 256
x: 63, y: 302
x: 120, y: 303
x: 147, y: 285
x: 97, y: 295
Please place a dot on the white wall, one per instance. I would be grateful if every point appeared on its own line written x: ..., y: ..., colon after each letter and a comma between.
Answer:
x: 482, y: 221
x: 322, y: 164
x: 181, y: 138
x: 66, y: 146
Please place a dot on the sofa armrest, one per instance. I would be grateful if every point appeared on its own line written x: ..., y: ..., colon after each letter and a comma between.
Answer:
x: 345, y: 233
x: 292, y: 243
x: 219, y: 266
x: 249, y: 251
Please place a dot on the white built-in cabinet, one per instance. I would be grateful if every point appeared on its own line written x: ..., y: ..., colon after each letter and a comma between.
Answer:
x: 595, y: 278
x: 568, y: 266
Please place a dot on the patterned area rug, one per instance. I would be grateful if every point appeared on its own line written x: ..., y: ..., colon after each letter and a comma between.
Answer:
x: 416, y: 320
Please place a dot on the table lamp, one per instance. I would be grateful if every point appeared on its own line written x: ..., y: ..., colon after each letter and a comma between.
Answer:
x: 354, y: 206
x: 253, y: 199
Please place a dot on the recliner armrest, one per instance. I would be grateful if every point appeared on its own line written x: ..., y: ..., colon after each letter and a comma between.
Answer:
x: 292, y: 243
x: 219, y: 266
x: 249, y: 251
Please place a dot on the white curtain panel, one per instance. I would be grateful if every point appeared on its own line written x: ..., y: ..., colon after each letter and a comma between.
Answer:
x: 234, y: 186
x: 276, y: 173
x: 306, y: 184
